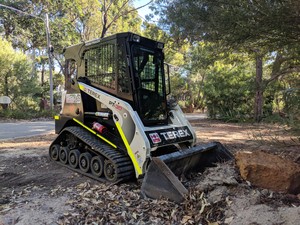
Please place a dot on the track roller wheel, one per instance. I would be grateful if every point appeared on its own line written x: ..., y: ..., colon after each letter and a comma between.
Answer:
x: 54, y: 152
x: 85, y: 161
x: 97, y: 165
x: 63, y: 155
x: 110, y: 171
x: 74, y: 158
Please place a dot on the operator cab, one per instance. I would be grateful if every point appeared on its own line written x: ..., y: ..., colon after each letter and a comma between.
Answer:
x: 124, y: 65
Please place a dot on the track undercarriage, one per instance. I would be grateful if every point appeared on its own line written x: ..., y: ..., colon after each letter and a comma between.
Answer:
x: 79, y: 151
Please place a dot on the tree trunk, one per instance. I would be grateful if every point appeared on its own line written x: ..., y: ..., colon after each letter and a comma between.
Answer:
x: 43, y: 75
x: 33, y: 56
x: 104, y: 30
x: 258, y: 104
x: 104, y: 25
x: 6, y: 85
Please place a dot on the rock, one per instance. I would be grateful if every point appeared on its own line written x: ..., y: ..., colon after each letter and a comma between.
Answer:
x: 269, y: 171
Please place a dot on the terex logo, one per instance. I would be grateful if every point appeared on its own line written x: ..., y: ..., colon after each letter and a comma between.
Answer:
x: 155, y: 138
x: 170, y: 135
x: 175, y: 134
x: 93, y: 93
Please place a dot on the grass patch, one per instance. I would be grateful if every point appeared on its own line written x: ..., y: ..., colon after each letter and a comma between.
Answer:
x: 26, y: 114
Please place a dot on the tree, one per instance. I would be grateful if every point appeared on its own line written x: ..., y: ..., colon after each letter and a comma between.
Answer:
x: 114, y: 10
x: 291, y: 98
x: 256, y: 27
x: 15, y: 71
x: 98, y: 18
x: 200, y: 57
x: 70, y: 22
x: 233, y: 22
x: 228, y: 87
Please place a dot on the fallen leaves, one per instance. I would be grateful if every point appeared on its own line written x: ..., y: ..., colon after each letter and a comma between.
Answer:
x: 210, y: 195
x: 12, y: 198
x: 123, y: 204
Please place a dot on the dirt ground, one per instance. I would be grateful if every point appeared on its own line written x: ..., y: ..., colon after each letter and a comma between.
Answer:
x: 34, y: 190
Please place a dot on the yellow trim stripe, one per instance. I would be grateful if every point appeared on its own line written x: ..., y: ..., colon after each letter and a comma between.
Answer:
x: 56, y: 117
x: 107, y: 141
x: 81, y: 87
x: 94, y: 132
x: 129, y: 150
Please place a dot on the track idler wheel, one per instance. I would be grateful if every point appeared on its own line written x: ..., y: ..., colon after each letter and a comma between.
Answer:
x: 97, y: 165
x: 110, y: 171
x: 74, y: 158
x: 54, y: 152
x: 63, y: 154
x: 85, y: 161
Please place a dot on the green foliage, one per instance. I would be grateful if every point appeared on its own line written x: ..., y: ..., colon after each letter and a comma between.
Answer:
x: 92, y: 19
x: 234, y: 23
x: 18, y: 82
x: 200, y: 57
x: 178, y: 86
x: 264, y: 29
x: 70, y: 22
x: 26, y: 114
x: 228, y: 90
x: 291, y: 97
x: 199, y: 38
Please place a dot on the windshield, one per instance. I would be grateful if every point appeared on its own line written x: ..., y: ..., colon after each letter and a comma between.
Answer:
x: 149, y: 78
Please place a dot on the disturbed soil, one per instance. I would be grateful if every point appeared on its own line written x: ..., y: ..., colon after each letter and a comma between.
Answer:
x: 34, y: 190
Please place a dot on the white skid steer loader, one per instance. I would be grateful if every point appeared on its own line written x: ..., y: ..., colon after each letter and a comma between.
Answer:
x: 116, y: 123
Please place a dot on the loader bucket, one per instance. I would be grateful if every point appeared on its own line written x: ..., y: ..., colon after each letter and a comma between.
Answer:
x: 161, y: 179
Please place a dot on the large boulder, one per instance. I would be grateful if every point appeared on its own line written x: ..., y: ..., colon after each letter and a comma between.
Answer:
x: 269, y: 171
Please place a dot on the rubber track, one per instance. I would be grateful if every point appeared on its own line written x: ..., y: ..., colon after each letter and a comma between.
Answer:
x: 124, y: 167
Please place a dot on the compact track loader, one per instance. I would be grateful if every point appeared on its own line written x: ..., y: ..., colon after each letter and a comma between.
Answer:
x: 116, y: 122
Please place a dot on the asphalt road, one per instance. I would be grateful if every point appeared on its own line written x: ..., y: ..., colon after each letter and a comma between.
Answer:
x: 195, y: 116
x: 30, y: 129
x: 25, y: 129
